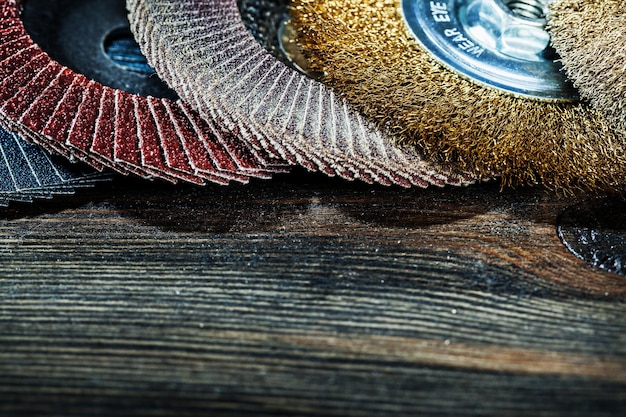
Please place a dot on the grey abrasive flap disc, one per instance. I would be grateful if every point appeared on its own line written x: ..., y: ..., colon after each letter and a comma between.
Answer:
x: 204, y: 52
x: 27, y: 172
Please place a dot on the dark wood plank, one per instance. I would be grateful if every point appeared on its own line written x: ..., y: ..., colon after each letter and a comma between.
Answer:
x: 304, y: 296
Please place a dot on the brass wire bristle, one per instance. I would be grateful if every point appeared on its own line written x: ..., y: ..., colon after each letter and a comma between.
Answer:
x: 369, y: 55
x: 590, y: 37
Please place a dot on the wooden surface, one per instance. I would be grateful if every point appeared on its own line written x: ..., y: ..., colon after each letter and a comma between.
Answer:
x: 303, y: 296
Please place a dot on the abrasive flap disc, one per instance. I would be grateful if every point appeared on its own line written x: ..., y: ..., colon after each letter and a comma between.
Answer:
x: 204, y: 52
x: 27, y: 172
x: 63, y: 110
x: 590, y: 37
x: 475, y: 82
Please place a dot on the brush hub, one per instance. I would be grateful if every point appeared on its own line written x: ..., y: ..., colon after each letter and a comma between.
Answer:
x: 497, y: 43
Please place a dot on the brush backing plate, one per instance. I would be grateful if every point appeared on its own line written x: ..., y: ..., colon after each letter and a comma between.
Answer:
x: 269, y: 22
x: 264, y: 19
x: 205, y: 53
x: 68, y: 113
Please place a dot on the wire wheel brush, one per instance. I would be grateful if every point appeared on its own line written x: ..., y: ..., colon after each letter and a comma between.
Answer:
x: 590, y: 37
x: 470, y: 81
x: 205, y: 53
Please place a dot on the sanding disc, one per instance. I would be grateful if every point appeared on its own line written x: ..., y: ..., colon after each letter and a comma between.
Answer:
x: 204, y: 52
x: 68, y: 113
x: 27, y: 172
x: 426, y: 70
x: 590, y: 37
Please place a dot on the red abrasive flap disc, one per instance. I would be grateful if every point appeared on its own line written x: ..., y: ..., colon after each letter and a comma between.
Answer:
x: 66, y: 112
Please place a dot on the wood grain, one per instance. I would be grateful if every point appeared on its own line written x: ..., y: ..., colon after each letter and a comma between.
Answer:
x: 304, y: 296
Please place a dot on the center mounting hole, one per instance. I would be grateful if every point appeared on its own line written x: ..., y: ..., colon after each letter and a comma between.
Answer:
x: 92, y: 37
x: 122, y: 49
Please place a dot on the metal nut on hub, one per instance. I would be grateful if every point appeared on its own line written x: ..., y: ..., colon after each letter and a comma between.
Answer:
x: 517, y: 32
x: 501, y: 44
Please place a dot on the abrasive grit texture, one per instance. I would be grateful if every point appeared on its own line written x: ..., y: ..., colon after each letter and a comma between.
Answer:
x: 371, y: 58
